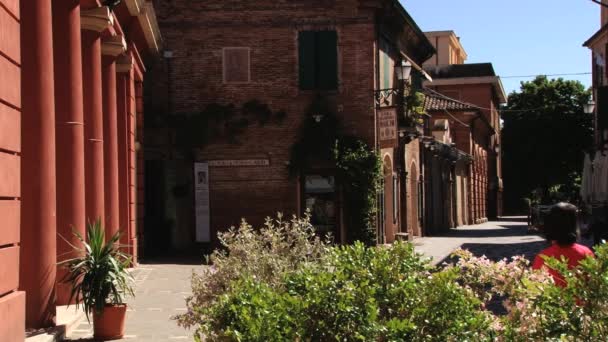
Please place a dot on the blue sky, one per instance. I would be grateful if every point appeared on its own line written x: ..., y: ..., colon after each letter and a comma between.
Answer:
x: 520, y: 37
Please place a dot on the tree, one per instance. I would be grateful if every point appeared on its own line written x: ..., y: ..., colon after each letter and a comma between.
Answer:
x: 545, y: 134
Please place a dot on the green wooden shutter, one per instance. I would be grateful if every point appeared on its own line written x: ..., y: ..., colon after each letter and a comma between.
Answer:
x: 327, y: 60
x: 307, y: 53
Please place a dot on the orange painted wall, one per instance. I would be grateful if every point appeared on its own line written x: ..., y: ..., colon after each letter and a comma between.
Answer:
x: 12, y: 302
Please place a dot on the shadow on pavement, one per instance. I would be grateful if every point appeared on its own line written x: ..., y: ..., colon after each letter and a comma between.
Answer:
x: 499, y: 251
x: 506, y: 230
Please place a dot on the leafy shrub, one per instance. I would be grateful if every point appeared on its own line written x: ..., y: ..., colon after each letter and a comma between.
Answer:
x: 253, y: 311
x: 538, y: 309
x: 282, y: 283
x: 264, y: 255
x: 354, y: 293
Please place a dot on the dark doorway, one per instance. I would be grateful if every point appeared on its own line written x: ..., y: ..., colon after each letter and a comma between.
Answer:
x: 156, y: 234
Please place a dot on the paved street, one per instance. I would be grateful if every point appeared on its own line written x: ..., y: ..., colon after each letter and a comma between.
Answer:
x: 496, y: 240
x: 160, y: 291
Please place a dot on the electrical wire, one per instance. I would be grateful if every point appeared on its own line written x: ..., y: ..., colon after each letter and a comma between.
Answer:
x: 478, y: 107
x: 549, y: 75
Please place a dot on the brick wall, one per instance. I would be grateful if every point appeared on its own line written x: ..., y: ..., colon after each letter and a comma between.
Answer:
x: 196, y: 32
x: 12, y: 302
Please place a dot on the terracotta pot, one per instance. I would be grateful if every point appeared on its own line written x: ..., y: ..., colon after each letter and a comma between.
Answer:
x: 110, y: 323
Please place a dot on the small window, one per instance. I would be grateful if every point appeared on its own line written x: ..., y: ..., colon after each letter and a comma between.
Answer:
x: 318, y: 60
x: 236, y: 65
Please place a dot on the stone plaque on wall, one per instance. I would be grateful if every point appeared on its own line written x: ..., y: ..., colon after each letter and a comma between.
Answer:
x: 387, y: 124
x: 239, y: 162
x: 236, y: 65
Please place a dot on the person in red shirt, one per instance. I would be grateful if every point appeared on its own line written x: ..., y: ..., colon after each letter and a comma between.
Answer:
x: 561, y: 230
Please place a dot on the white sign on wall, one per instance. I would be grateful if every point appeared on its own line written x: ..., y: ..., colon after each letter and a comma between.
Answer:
x: 201, y: 190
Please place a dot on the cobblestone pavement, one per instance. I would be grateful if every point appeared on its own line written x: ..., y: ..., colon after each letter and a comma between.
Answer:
x: 160, y: 293
x: 496, y: 239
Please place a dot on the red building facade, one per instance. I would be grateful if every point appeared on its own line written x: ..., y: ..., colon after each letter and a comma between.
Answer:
x: 70, y: 101
x: 232, y: 53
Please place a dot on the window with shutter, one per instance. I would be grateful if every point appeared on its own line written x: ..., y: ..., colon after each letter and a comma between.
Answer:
x: 307, y: 56
x: 318, y: 60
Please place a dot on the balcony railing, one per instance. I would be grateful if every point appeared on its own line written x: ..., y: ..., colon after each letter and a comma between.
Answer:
x: 408, y: 121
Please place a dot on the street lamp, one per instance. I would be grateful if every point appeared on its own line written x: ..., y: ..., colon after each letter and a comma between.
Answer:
x: 403, y: 70
x: 589, y: 107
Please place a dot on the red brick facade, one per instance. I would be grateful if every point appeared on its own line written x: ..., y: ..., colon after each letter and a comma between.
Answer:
x: 197, y: 35
x: 56, y: 101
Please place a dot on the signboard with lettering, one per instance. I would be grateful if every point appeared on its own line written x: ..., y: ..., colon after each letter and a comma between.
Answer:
x: 387, y: 124
x: 201, y: 208
x: 239, y: 162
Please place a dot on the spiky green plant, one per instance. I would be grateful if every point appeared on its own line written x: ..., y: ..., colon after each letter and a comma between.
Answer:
x: 99, y: 275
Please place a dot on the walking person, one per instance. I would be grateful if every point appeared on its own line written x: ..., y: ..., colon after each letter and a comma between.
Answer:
x: 561, y: 230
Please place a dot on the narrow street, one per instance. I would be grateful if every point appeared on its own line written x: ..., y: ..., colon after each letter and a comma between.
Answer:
x: 504, y: 238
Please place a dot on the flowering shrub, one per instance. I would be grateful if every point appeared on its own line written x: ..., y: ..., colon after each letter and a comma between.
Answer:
x: 264, y: 255
x: 537, y: 309
x: 282, y: 283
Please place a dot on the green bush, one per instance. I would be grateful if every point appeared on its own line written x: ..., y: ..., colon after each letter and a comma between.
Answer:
x: 281, y: 283
x: 265, y: 255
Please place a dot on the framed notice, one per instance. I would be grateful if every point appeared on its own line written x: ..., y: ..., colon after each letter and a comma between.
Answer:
x: 201, y: 206
x: 387, y: 124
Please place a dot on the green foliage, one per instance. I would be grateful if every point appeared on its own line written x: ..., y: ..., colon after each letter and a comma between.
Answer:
x: 544, y: 136
x: 219, y: 121
x: 414, y: 108
x: 359, y: 171
x: 99, y: 275
x: 264, y: 255
x: 312, y: 292
x: 353, y: 293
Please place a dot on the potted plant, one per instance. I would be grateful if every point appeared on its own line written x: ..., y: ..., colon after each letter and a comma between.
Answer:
x: 100, y: 281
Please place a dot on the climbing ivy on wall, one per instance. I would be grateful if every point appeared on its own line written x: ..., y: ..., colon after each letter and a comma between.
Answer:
x: 219, y: 121
x: 359, y: 171
x: 358, y: 168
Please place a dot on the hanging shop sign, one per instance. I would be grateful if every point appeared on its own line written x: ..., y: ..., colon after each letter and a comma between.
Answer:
x: 387, y: 124
x: 201, y: 191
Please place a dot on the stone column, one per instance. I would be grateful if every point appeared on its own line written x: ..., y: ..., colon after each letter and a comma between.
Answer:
x: 38, y: 190
x: 111, y: 48
x: 124, y: 68
x: 70, y: 134
x: 94, y: 21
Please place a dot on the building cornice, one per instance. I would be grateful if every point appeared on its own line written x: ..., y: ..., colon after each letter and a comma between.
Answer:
x: 96, y: 19
x: 135, y: 7
x: 596, y: 37
x: 149, y: 26
x: 125, y: 63
x: 113, y: 45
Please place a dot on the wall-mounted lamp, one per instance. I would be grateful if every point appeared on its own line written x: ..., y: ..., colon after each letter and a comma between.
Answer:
x: 403, y: 70
x: 318, y: 117
x: 589, y: 107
